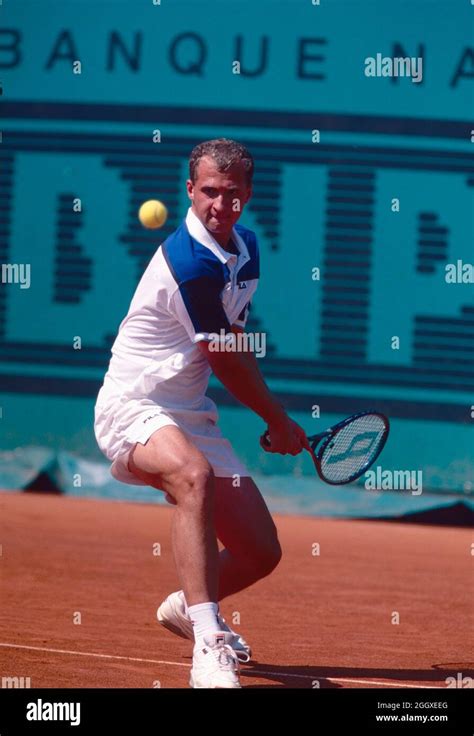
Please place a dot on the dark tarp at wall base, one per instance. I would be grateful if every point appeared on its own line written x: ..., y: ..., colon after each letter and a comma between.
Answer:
x: 458, y: 514
x: 31, y: 469
x: 40, y: 469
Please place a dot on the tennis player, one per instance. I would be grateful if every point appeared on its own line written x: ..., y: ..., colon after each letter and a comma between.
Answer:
x: 155, y: 423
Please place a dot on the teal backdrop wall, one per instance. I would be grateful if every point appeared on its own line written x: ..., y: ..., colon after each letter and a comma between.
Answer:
x: 155, y: 79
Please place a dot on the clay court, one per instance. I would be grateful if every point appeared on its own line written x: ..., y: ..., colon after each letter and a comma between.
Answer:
x: 324, y: 620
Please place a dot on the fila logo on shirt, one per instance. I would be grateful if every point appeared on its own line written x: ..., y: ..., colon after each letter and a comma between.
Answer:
x: 242, y: 284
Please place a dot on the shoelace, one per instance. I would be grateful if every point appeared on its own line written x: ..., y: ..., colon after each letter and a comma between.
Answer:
x: 224, y: 656
x: 241, y: 655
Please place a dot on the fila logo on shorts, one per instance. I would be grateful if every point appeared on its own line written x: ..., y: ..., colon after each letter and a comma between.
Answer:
x: 150, y: 417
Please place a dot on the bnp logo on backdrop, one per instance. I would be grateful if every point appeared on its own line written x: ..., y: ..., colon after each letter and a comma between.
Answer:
x: 376, y: 218
x: 355, y: 234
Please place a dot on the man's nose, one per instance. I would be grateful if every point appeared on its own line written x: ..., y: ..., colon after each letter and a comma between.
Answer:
x: 219, y: 204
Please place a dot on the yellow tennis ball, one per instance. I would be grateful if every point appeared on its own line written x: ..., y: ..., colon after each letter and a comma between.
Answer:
x: 153, y: 214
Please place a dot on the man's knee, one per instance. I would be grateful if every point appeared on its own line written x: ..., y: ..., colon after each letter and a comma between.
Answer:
x: 174, y: 466
x: 192, y: 482
x: 266, y: 560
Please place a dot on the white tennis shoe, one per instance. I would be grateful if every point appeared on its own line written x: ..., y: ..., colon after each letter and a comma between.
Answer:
x: 215, y: 664
x: 172, y: 615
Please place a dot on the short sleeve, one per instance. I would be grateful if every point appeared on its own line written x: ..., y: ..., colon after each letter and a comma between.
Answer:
x: 197, y: 305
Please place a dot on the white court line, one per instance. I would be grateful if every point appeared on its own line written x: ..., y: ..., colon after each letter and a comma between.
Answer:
x: 386, y: 683
x: 92, y: 654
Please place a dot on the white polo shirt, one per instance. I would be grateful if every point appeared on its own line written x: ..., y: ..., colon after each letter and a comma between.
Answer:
x: 191, y: 289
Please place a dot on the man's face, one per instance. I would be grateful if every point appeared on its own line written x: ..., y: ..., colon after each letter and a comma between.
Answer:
x: 214, y: 196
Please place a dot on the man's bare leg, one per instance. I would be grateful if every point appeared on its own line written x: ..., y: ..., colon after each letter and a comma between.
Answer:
x: 247, y: 531
x: 207, y: 507
x: 170, y: 462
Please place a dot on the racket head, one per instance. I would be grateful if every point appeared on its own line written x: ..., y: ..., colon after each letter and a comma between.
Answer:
x: 350, y: 447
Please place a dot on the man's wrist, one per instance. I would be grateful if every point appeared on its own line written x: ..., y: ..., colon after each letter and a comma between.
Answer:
x: 276, y: 416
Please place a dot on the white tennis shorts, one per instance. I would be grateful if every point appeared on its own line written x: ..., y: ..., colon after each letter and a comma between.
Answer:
x: 121, y: 424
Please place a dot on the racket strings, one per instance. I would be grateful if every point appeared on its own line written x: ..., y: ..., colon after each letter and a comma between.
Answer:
x: 353, y: 448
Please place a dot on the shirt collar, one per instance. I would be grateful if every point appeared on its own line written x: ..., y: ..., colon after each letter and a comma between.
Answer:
x: 197, y: 230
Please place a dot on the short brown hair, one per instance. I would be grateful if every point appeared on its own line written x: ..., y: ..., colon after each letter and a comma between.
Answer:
x: 225, y: 152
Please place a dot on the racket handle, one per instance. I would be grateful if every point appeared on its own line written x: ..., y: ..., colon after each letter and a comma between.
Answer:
x: 265, y: 440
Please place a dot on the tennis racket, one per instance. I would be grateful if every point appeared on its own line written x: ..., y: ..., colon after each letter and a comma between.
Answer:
x: 348, y: 448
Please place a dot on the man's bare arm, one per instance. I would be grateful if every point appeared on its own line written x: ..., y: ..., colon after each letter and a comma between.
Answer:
x: 240, y: 374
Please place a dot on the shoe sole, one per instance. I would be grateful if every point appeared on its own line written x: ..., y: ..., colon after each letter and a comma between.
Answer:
x: 212, y: 687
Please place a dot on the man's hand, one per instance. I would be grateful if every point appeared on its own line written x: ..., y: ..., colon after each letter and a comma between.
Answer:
x: 240, y: 374
x: 286, y: 437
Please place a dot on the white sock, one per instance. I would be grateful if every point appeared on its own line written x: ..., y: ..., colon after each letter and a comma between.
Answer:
x: 204, y: 620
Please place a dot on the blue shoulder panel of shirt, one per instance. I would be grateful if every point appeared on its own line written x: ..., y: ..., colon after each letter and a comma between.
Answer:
x: 201, y: 276
x: 189, y: 260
